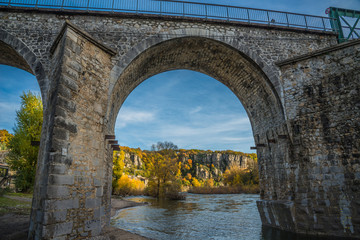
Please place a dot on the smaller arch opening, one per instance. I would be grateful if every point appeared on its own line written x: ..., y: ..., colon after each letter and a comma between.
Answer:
x: 20, y: 123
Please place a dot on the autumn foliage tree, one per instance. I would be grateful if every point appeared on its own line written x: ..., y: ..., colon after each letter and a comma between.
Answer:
x: 236, y: 176
x: 163, y: 171
x: 5, y: 137
x: 118, y: 168
x: 23, y: 156
x: 123, y: 184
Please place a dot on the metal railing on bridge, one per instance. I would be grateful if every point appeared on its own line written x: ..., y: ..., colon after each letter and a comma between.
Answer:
x: 185, y: 9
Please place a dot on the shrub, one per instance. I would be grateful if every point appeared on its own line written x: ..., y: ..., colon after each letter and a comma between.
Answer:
x: 126, y: 186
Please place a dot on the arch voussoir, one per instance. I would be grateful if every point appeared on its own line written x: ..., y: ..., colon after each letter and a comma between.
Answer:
x: 29, y: 63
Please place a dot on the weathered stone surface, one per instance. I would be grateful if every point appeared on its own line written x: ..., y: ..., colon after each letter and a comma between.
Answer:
x: 322, y: 105
x: 305, y: 124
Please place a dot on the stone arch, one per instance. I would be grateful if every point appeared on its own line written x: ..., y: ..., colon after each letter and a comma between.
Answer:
x: 221, y: 61
x: 17, y: 54
x: 272, y: 75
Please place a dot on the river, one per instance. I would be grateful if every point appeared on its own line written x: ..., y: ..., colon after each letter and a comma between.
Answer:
x: 229, y: 216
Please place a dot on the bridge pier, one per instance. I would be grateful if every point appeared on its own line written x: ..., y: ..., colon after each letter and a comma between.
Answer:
x: 322, y: 104
x: 72, y: 194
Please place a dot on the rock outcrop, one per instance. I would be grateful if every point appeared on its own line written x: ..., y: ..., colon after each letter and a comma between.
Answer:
x: 207, y: 164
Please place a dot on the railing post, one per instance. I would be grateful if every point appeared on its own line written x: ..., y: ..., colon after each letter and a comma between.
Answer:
x: 112, y: 5
x: 62, y: 4
x: 267, y: 13
x: 323, y: 24
x: 287, y: 20
x: 9, y: 3
x: 305, y: 22
x: 247, y: 10
x: 160, y: 7
x: 137, y: 6
x: 206, y: 12
x: 227, y: 13
x: 87, y: 7
x: 36, y: 4
x: 183, y: 9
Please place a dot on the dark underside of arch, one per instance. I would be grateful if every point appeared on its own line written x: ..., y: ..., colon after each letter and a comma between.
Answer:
x: 10, y: 57
x: 224, y: 63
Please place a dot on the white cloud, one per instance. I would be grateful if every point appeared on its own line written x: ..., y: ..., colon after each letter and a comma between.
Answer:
x: 195, y: 110
x: 130, y: 116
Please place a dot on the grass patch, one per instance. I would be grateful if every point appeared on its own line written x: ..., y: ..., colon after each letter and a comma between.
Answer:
x: 25, y: 195
x: 9, y: 205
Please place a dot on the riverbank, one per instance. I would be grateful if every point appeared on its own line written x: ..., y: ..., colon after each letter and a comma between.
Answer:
x: 14, y: 219
x: 247, y: 189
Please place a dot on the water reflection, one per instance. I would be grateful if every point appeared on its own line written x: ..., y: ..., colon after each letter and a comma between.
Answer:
x: 200, y: 217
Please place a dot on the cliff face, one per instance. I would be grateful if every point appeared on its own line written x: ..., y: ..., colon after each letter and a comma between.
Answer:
x: 221, y: 161
x: 132, y: 160
x: 207, y: 165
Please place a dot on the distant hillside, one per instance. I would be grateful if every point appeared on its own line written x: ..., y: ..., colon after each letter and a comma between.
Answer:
x: 199, y: 163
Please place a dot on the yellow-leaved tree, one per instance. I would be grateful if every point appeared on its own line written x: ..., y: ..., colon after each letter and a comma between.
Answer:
x: 23, y: 156
x: 163, y: 171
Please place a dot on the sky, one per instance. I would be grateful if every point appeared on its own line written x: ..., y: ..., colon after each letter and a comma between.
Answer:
x: 192, y: 110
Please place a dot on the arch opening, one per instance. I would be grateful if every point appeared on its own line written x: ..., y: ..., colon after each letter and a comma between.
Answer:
x: 188, y: 108
x: 213, y: 58
x: 18, y: 55
x: 236, y: 71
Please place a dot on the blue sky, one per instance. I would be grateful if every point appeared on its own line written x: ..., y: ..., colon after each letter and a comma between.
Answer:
x: 188, y: 108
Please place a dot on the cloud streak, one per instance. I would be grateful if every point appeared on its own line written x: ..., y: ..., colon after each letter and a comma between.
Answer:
x: 128, y: 115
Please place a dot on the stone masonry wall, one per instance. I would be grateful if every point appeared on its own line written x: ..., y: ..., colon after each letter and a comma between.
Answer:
x: 322, y: 103
x: 71, y: 197
x: 131, y: 35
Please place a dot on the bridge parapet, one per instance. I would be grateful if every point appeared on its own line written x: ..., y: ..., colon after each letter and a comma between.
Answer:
x: 188, y: 9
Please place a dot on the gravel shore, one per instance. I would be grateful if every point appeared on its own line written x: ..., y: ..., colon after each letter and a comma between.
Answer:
x: 15, y: 226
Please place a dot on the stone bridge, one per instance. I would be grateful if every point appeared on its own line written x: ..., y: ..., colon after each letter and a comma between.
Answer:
x: 300, y: 88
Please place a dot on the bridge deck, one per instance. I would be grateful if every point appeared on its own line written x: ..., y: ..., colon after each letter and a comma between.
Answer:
x: 184, y: 9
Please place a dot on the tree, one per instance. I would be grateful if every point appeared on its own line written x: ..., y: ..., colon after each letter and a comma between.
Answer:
x: 163, y: 171
x: 160, y: 146
x: 235, y: 176
x: 23, y: 156
x: 5, y: 137
x: 118, y: 167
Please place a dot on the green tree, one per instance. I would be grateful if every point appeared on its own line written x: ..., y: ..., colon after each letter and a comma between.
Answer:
x: 23, y: 156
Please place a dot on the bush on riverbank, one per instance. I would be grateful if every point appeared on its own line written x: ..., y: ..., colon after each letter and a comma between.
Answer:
x: 125, y: 186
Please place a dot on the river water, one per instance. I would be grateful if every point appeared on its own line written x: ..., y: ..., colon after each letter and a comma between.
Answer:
x: 229, y: 216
